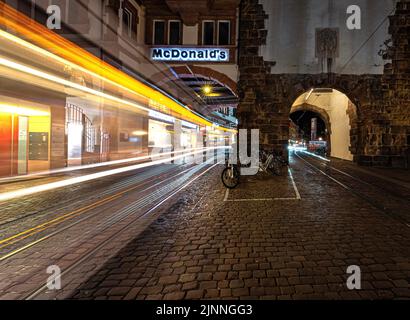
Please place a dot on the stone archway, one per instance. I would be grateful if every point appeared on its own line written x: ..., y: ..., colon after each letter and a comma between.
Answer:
x: 321, y: 113
x: 339, y: 114
x: 266, y: 103
x: 379, y: 110
x: 359, y: 90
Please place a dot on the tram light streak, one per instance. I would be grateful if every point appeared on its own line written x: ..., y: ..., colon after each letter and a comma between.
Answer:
x: 90, y: 177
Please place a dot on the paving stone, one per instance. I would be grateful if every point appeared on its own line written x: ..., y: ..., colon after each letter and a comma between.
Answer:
x: 276, y: 250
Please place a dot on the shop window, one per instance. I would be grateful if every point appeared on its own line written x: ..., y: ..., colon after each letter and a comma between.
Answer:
x: 175, y: 33
x: 208, y: 31
x: 224, y: 33
x: 159, y: 32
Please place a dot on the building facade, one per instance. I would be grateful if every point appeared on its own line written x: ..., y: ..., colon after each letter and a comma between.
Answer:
x: 311, y: 58
x: 46, y: 127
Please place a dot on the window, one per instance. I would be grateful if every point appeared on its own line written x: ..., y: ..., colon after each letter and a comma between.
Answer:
x: 175, y: 32
x: 208, y: 32
x: 216, y: 32
x: 224, y: 33
x: 127, y: 21
x: 159, y: 32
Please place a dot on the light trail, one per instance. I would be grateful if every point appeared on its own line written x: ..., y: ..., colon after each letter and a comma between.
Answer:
x: 103, y: 164
x: 315, y: 155
x: 71, y: 181
x: 66, y: 51
x: 47, y: 76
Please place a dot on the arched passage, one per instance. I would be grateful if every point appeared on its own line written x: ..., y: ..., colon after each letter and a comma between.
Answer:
x: 339, y: 115
x: 301, y: 117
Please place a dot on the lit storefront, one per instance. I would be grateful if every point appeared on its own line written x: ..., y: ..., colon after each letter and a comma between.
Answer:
x: 160, y: 131
x: 189, y: 135
x: 24, y: 137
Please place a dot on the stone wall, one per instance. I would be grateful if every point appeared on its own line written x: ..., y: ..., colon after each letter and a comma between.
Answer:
x: 380, y: 131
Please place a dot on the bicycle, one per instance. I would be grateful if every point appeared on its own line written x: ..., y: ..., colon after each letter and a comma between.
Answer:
x: 270, y: 163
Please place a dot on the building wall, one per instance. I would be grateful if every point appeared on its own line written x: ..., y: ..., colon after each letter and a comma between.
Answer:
x: 379, y: 132
x: 291, y: 38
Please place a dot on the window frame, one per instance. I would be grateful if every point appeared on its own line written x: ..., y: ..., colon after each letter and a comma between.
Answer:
x: 127, y: 28
x: 154, y: 33
x: 180, y: 36
x: 203, y: 32
x: 229, y: 32
x: 132, y: 29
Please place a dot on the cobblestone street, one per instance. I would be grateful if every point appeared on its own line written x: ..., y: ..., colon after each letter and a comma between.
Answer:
x: 210, y: 244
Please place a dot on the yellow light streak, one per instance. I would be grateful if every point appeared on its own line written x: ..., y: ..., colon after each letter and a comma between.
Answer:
x: 23, y: 111
x: 47, y: 76
x: 139, y: 133
x: 66, y: 50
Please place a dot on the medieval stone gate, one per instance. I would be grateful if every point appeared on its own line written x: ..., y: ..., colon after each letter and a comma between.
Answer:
x: 380, y: 123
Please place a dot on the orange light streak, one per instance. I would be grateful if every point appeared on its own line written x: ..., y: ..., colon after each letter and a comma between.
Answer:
x: 46, y: 39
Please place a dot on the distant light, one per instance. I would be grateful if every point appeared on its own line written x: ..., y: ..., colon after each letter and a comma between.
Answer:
x: 207, y: 89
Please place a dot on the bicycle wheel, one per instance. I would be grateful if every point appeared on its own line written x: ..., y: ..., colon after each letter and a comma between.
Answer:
x: 230, y: 177
x: 275, y: 167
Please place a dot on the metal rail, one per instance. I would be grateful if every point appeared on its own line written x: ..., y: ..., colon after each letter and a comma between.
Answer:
x: 39, y: 290
x: 374, y: 203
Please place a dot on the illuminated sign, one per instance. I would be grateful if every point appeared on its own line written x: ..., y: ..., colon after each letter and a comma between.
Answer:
x: 190, y: 54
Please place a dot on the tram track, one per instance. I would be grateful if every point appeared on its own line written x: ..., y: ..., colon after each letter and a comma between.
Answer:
x: 16, y: 238
x: 326, y: 165
x: 126, y: 212
x: 371, y: 197
x: 157, y: 194
x: 64, y: 205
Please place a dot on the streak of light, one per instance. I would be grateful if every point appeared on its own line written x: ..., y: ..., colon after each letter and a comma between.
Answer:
x: 24, y: 111
x: 315, y: 155
x: 47, y: 76
x: 46, y: 39
x: 103, y: 164
x: 68, y: 182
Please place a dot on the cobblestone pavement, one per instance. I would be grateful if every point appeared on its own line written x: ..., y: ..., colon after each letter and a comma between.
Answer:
x: 213, y: 245
x: 70, y: 230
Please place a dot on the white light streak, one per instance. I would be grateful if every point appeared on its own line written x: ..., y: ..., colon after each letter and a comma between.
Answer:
x: 68, y: 182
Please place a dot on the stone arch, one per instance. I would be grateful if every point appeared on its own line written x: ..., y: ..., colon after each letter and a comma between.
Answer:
x: 379, y: 118
x: 358, y: 89
x: 322, y: 114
